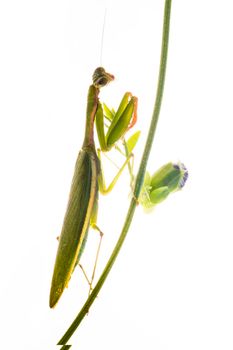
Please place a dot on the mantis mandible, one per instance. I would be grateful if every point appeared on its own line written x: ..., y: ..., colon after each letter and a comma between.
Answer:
x: 88, y: 180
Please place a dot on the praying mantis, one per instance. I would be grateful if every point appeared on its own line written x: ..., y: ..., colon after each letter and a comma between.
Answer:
x: 88, y: 179
x: 147, y: 190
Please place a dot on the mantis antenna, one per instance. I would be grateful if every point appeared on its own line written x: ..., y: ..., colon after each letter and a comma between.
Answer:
x: 102, y: 38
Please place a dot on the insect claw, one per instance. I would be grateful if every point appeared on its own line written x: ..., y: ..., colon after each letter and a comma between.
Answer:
x: 136, y: 199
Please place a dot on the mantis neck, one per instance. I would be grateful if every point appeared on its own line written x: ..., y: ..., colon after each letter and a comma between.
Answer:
x: 92, y: 103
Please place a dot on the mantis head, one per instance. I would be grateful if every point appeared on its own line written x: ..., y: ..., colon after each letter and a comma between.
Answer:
x: 101, y: 77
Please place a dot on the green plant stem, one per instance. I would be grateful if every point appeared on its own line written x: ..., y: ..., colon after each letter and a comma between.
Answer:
x: 139, y: 179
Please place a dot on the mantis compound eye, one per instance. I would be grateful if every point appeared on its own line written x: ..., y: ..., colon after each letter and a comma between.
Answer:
x: 101, y: 77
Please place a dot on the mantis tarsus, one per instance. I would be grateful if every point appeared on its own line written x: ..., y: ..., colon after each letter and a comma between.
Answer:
x: 88, y: 180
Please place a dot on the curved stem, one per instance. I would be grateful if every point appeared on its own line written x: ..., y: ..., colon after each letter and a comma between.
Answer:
x: 139, y: 179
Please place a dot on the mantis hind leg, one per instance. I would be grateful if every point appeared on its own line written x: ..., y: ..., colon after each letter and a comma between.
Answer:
x: 94, y: 226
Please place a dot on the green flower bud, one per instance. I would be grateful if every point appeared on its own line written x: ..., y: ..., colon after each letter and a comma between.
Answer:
x: 156, y: 188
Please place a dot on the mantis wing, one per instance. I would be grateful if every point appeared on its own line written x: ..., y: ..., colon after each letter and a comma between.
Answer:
x: 82, y: 196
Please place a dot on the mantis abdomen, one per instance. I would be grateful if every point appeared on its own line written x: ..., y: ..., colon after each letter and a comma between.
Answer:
x: 81, y: 201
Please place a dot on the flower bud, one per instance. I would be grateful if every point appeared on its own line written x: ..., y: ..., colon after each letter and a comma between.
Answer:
x: 169, y: 178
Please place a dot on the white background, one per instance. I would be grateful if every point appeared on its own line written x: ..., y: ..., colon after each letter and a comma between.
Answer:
x: 171, y: 287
